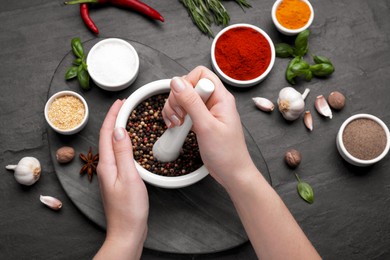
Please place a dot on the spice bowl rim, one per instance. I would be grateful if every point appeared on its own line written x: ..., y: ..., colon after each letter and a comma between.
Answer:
x: 236, y: 82
x: 106, y: 85
x: 286, y: 31
x: 171, y: 182
x: 75, y: 129
x: 350, y: 158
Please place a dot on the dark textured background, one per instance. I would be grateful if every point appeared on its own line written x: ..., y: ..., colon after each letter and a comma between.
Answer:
x: 350, y: 216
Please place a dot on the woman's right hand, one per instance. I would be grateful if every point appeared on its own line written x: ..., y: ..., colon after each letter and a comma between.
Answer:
x: 217, y: 126
x: 271, y: 228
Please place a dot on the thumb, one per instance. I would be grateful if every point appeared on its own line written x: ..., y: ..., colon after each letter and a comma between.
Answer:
x: 123, y: 153
x: 190, y: 101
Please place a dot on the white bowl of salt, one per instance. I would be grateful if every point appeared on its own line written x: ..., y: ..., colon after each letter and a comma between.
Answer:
x: 113, y: 64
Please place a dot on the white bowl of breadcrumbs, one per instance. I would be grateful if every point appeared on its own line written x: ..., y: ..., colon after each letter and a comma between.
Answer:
x: 66, y: 112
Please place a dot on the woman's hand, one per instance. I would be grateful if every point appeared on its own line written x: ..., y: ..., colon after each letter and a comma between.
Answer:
x: 217, y: 126
x: 124, y: 194
x: 271, y: 228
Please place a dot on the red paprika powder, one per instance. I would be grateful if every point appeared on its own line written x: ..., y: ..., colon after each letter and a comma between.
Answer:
x: 242, y: 53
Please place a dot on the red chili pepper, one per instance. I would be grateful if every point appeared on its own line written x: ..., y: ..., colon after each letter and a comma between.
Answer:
x: 132, y: 4
x: 84, y: 12
x: 139, y: 7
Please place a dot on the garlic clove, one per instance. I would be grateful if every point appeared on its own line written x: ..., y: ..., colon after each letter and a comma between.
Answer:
x: 308, y: 120
x: 51, y: 202
x: 263, y: 104
x: 322, y: 106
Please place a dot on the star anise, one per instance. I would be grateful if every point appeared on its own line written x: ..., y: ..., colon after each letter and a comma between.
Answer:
x: 90, y: 165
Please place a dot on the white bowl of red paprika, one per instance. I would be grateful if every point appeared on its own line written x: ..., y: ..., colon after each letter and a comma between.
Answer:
x: 292, y: 16
x: 242, y: 55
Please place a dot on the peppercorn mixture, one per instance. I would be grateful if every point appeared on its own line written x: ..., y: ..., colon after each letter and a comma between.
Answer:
x: 145, y: 126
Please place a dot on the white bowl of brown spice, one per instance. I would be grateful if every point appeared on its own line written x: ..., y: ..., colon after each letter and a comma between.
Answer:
x: 363, y: 140
x: 66, y: 112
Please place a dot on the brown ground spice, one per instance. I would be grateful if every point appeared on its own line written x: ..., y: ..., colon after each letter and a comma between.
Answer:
x: 145, y: 126
x: 364, y: 139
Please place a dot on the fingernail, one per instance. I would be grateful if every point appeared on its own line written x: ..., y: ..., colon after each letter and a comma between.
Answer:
x: 177, y: 84
x: 167, y: 122
x: 119, y: 134
x: 175, y: 120
x: 179, y: 111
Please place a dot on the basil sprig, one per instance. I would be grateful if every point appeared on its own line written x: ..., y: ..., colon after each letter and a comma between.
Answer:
x: 298, y: 67
x: 79, y: 68
x: 305, y: 190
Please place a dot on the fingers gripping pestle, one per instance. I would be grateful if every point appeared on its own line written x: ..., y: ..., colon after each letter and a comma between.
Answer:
x: 167, y: 147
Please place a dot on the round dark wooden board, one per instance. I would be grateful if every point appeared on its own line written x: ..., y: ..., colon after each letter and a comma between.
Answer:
x: 196, y: 219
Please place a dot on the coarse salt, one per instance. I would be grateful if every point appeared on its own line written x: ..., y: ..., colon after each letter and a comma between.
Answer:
x: 113, y: 63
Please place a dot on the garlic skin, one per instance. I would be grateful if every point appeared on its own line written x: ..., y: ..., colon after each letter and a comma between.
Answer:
x: 27, y: 171
x: 291, y: 103
x: 51, y: 202
x: 264, y: 104
x: 322, y: 106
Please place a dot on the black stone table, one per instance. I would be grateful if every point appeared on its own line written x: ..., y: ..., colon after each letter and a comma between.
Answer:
x: 350, y: 216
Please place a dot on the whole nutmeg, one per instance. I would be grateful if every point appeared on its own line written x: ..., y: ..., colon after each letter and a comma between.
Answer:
x: 336, y: 100
x: 293, y: 158
x: 65, y: 154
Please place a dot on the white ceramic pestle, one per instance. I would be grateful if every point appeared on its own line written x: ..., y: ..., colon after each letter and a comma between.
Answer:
x: 167, y: 147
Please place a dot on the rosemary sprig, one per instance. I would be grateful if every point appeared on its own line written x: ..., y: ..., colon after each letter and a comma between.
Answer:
x: 199, y: 14
x: 243, y: 3
x: 221, y: 16
x: 204, y: 12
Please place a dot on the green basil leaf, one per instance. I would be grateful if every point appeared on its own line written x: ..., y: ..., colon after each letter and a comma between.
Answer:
x: 306, y: 192
x: 300, y: 68
x: 322, y: 70
x: 77, y: 48
x: 85, y: 67
x: 283, y: 50
x: 309, y: 75
x: 302, y: 43
x: 77, y: 61
x: 71, y: 72
x: 83, y: 78
x: 321, y: 59
x: 290, y: 75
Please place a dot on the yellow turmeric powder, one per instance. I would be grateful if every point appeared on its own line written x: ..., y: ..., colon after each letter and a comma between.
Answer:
x: 293, y: 14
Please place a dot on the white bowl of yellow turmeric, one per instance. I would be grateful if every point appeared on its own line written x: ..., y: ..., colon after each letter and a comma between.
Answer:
x: 292, y: 16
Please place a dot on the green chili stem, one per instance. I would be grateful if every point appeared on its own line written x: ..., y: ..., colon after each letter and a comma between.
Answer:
x: 74, y: 2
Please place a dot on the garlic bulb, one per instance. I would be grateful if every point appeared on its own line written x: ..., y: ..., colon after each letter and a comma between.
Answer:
x: 291, y: 103
x: 27, y: 172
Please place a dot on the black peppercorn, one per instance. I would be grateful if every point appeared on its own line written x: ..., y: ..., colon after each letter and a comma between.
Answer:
x: 145, y: 125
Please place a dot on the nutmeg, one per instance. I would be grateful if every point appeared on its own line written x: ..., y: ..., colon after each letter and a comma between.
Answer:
x: 293, y: 158
x: 336, y: 100
x: 65, y: 154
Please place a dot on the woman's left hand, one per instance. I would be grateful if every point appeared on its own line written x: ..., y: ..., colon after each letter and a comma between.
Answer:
x: 125, y: 198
